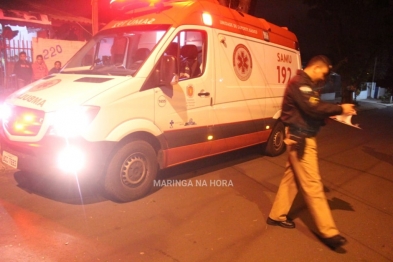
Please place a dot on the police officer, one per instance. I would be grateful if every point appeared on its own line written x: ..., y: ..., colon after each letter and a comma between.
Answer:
x: 303, y: 114
x: 23, y: 70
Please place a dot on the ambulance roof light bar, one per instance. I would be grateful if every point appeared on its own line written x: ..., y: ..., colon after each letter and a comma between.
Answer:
x: 126, y: 5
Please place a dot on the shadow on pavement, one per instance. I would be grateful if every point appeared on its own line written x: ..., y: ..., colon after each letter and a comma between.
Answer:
x: 246, y: 186
x: 339, y: 204
x: 299, y: 210
x: 378, y: 155
x: 62, y: 189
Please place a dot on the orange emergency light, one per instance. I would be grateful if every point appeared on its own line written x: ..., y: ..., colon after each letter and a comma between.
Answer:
x: 125, y: 5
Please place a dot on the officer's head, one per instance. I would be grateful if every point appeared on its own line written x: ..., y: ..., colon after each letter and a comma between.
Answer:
x: 318, y: 68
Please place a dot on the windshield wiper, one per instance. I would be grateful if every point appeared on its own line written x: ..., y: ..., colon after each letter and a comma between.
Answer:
x: 113, y: 70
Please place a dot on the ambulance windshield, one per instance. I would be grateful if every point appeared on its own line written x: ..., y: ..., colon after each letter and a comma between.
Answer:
x: 118, y: 51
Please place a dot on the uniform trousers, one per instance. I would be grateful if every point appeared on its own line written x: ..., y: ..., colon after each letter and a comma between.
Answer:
x: 303, y: 175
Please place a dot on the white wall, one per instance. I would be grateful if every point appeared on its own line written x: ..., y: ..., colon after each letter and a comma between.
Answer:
x: 55, y: 50
x: 370, y: 88
x: 381, y: 92
x: 362, y: 95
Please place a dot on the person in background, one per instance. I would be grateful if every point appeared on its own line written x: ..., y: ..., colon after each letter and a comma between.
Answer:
x: 303, y: 113
x: 39, y: 67
x: 23, y: 70
x: 56, y: 68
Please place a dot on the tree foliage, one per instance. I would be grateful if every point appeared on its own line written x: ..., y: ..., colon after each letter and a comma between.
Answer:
x: 359, y: 36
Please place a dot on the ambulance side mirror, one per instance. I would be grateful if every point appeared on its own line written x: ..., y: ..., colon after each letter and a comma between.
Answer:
x: 168, y: 74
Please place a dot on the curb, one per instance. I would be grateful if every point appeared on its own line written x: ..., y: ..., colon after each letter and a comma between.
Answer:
x: 375, y: 102
x: 364, y: 104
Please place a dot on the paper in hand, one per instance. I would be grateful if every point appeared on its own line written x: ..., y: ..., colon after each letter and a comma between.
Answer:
x: 345, y: 119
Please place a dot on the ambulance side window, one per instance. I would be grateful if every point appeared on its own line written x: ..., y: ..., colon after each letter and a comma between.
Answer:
x: 192, y: 50
x: 186, y: 53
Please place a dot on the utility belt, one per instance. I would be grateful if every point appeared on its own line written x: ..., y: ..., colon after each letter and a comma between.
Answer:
x: 299, y: 135
x: 301, y: 132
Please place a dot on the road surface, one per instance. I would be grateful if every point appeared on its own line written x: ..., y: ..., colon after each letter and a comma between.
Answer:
x: 215, y: 212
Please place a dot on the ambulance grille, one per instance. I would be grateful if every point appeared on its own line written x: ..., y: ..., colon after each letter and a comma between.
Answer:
x: 24, y: 121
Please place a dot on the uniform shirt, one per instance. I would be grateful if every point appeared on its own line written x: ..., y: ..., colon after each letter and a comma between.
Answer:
x: 23, y: 70
x: 302, y: 107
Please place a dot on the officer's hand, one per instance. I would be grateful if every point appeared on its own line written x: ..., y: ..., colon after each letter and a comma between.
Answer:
x: 348, y: 109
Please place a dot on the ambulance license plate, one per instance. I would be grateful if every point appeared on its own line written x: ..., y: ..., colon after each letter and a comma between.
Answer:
x: 10, y: 159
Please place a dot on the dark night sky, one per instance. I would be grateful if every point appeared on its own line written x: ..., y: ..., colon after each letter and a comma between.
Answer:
x: 293, y: 15
x: 288, y: 13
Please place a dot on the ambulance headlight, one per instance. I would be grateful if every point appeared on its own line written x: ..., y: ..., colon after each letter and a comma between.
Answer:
x: 71, y: 160
x: 71, y: 122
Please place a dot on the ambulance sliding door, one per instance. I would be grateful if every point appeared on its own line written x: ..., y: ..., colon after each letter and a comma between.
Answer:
x: 183, y: 110
x: 239, y: 103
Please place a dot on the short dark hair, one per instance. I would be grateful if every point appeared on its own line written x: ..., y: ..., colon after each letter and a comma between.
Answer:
x: 39, y: 56
x: 320, y: 59
x: 22, y: 53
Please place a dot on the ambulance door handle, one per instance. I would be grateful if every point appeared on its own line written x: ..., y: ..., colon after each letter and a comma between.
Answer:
x: 202, y: 93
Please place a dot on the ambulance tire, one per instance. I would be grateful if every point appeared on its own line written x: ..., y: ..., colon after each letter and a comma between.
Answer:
x: 275, y: 145
x: 131, y: 172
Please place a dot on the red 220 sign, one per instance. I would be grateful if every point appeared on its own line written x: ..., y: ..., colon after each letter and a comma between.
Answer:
x: 52, y: 51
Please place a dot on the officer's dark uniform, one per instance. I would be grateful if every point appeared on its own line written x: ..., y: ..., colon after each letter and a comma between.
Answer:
x: 303, y: 114
x: 24, y: 72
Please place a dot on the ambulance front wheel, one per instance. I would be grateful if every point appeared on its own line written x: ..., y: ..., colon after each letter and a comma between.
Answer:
x: 131, y: 171
x: 275, y: 145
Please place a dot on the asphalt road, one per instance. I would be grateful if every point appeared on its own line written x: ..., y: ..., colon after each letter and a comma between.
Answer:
x: 217, y: 213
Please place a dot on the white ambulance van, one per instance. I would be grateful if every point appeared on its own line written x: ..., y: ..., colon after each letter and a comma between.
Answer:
x: 165, y: 84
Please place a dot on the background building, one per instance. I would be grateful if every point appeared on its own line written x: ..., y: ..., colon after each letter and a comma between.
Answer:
x: 25, y: 24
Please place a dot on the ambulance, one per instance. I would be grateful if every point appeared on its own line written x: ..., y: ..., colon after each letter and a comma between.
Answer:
x: 166, y: 83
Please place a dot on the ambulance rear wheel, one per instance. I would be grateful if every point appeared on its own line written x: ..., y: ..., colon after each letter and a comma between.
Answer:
x: 275, y: 145
x: 131, y: 171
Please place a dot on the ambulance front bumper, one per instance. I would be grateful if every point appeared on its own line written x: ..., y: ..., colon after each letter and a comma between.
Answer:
x: 49, y: 156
